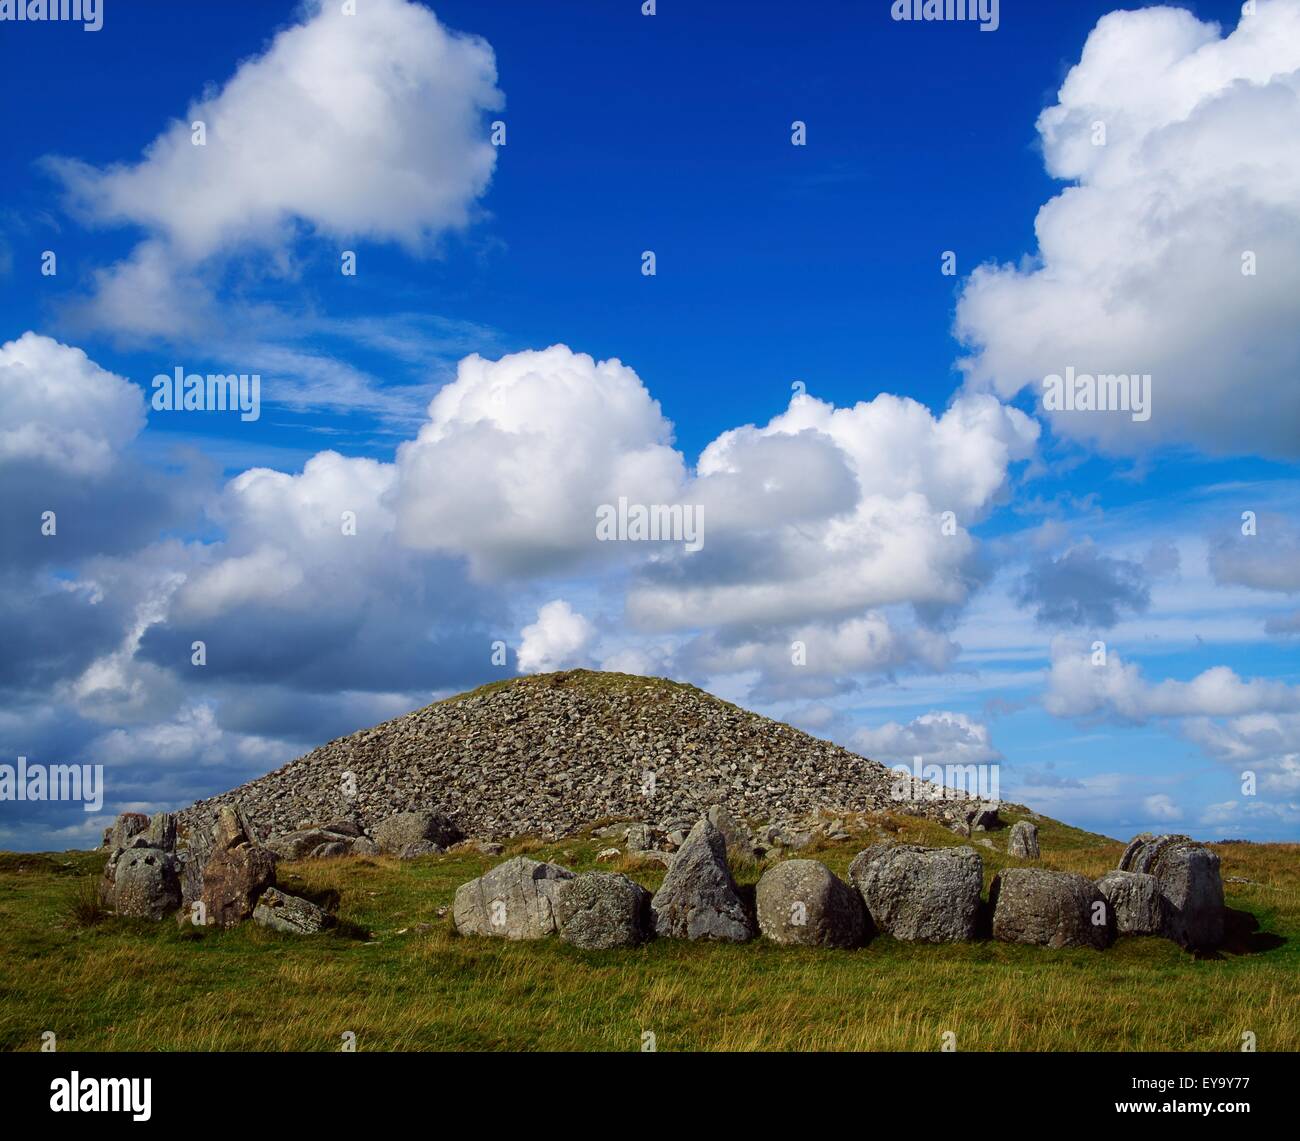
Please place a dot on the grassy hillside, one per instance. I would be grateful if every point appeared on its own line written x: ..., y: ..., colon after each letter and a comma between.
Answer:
x: 399, y: 977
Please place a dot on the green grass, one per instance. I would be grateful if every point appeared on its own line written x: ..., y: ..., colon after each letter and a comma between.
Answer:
x: 102, y: 983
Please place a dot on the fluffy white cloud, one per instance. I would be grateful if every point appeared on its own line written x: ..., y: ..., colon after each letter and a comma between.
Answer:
x: 518, y: 454
x: 368, y: 125
x: 60, y: 409
x: 556, y: 640
x: 1140, y: 263
x: 879, y: 537
x: 937, y: 738
x: 1079, y: 688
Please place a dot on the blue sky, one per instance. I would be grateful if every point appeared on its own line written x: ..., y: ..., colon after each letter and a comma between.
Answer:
x: 775, y: 264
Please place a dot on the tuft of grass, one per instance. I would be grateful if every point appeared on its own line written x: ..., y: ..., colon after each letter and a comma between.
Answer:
x: 85, y: 908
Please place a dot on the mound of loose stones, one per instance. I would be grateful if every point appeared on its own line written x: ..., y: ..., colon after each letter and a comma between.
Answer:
x: 549, y: 754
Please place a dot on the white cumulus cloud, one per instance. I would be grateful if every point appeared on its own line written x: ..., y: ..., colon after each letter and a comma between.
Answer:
x: 1140, y: 260
x: 369, y: 125
x: 556, y: 640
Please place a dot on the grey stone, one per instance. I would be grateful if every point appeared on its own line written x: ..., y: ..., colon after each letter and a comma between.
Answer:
x: 145, y: 884
x: 639, y: 838
x: 331, y: 849
x: 1049, y: 908
x: 740, y: 844
x: 364, y: 846
x: 419, y: 848
x: 698, y: 898
x: 304, y: 842
x: 289, y: 913
x: 801, y: 902
x: 160, y: 834
x: 399, y: 832
x: 515, y: 900
x: 344, y: 828
x: 984, y: 817
x: 598, y: 911
x: 127, y: 825
x: 1190, y: 882
x: 1023, y: 841
x: 917, y: 894
x: 1135, y: 901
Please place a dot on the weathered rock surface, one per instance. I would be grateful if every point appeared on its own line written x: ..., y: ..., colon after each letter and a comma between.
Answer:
x: 698, y: 898
x: 1190, y: 882
x: 237, y: 871
x: 396, y: 835
x: 640, y: 838
x: 802, y: 902
x: 127, y: 825
x: 1135, y: 901
x: 917, y: 894
x: 1023, y: 840
x: 289, y: 913
x: 598, y: 911
x: 515, y: 900
x: 549, y: 754
x: 303, y: 842
x: 1049, y: 908
x: 145, y: 884
x: 739, y: 841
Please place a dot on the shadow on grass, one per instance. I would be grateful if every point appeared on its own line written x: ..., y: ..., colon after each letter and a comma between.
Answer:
x: 1242, y: 936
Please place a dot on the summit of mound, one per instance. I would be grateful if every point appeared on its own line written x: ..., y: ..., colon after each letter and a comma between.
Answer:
x: 550, y: 753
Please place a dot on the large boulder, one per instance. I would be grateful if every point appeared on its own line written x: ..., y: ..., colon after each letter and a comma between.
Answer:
x: 127, y: 825
x: 598, y: 911
x: 515, y: 900
x: 802, y: 902
x: 233, y: 880
x: 289, y: 913
x: 922, y: 895
x: 1049, y: 908
x: 1023, y: 840
x: 145, y: 884
x: 1190, y: 882
x: 398, y: 833
x: 159, y: 832
x: 1135, y: 902
x: 303, y: 842
x: 698, y: 898
x: 237, y: 870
